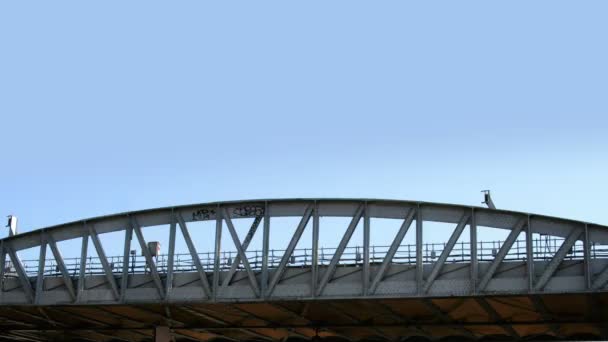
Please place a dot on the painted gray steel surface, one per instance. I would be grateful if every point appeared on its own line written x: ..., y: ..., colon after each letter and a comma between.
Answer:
x: 364, y: 278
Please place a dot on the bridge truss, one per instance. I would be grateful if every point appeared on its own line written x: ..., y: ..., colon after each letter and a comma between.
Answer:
x: 548, y: 276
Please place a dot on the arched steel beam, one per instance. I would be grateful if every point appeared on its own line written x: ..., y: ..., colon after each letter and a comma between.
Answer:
x: 378, y: 208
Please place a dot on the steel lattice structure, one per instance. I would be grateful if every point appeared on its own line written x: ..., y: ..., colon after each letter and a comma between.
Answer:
x: 405, y: 290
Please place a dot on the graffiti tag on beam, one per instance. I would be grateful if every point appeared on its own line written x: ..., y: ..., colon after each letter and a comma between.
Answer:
x: 248, y: 211
x: 203, y: 214
x: 244, y: 211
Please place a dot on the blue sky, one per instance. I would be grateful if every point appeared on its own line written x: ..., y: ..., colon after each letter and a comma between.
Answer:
x: 113, y: 106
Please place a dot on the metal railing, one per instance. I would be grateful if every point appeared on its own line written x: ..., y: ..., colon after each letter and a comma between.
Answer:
x: 543, y: 249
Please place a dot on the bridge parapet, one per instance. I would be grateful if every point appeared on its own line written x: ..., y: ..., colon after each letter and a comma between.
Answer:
x: 302, y: 257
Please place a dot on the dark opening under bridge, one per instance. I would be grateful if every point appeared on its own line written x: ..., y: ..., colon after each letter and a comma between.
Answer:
x: 546, y: 279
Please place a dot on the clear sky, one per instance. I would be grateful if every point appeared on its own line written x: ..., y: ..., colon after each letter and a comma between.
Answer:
x: 110, y: 106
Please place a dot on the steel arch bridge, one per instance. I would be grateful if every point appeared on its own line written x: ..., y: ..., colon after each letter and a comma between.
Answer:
x: 547, y: 279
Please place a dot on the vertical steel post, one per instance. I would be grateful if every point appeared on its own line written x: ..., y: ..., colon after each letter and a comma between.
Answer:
x: 315, y: 250
x: 366, y: 238
x: 419, y: 263
x: 473, y: 248
x: 83, y: 265
x: 587, y: 262
x: 530, y: 255
x: 218, y: 240
x: 41, y: 264
x: 171, y: 257
x: 265, y: 247
x: 2, y: 265
x: 124, y: 282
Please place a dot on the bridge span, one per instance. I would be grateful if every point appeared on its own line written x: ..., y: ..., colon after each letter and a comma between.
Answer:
x: 546, y: 279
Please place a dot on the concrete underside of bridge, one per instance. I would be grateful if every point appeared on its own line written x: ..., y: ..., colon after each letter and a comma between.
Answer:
x: 526, y: 317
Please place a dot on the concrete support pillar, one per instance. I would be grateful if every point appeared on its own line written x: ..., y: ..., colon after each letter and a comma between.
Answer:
x: 162, y: 334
